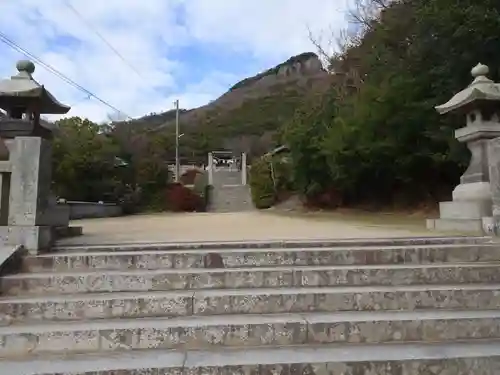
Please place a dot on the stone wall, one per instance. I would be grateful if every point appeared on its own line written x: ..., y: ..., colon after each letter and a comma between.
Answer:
x: 87, y: 210
x: 183, y: 168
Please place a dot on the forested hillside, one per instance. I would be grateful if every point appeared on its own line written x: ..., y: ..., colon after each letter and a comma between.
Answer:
x: 244, y: 119
x: 376, y: 137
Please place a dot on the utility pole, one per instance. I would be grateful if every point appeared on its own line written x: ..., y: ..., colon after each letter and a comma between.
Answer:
x: 177, y: 136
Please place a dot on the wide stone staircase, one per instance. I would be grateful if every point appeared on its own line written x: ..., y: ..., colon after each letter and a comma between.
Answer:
x: 228, y: 194
x: 351, y: 307
x: 235, y: 198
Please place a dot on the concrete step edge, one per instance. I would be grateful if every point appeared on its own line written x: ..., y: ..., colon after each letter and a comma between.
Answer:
x: 145, y: 359
x: 280, y: 243
x: 197, y: 293
x: 284, y: 268
x: 70, y: 253
x: 158, y: 323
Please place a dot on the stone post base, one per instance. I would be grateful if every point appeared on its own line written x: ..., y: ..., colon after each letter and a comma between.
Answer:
x: 472, y: 226
x: 471, y: 203
x: 463, y: 216
x: 34, y: 239
x: 465, y: 210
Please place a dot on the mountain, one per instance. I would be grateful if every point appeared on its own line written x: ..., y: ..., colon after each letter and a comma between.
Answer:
x: 251, y: 111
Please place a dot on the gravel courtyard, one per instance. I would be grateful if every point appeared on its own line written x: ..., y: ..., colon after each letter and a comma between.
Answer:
x: 239, y: 226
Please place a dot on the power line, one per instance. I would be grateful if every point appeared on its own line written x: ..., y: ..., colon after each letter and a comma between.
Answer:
x: 6, y: 40
x: 103, y: 39
x: 80, y: 101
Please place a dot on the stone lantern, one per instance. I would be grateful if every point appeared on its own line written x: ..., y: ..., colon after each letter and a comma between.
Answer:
x: 472, y: 199
x: 28, y: 216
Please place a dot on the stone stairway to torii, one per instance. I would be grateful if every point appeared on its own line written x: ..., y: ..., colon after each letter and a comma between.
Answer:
x: 230, y: 191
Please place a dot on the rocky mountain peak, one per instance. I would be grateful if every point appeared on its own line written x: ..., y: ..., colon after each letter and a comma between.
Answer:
x: 305, y: 64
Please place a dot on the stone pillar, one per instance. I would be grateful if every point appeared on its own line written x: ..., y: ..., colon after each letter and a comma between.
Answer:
x: 210, y: 168
x: 243, y: 168
x: 493, y: 227
x: 4, y: 197
x: 474, y: 183
x: 29, y: 201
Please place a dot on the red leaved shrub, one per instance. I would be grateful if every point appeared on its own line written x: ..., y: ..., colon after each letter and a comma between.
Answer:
x: 182, y: 199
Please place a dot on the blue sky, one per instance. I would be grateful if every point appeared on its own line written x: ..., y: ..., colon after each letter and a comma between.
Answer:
x: 200, y: 58
x: 193, y: 50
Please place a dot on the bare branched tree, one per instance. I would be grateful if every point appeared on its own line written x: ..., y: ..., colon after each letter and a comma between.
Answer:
x: 325, y: 50
x: 335, y: 55
x: 366, y: 12
x: 338, y: 51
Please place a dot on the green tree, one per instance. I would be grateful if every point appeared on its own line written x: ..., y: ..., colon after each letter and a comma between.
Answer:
x: 386, y: 142
x: 305, y: 136
x: 148, y: 169
x: 84, y: 161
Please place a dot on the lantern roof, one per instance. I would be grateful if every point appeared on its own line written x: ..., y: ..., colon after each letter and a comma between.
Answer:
x: 482, y: 89
x: 23, y: 90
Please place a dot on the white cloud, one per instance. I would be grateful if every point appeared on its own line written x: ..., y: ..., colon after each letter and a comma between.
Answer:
x: 146, y: 32
x: 263, y: 28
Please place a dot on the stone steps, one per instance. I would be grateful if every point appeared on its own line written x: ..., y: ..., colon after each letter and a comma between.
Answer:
x: 209, y: 332
x: 140, y: 257
x: 231, y: 198
x: 227, y: 177
x: 250, y: 277
x: 248, y: 301
x: 360, y: 306
x: 228, y: 193
x: 457, y: 358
